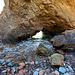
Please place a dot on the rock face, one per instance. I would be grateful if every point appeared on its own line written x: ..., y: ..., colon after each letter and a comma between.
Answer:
x: 66, y: 40
x: 57, y: 60
x: 23, y: 18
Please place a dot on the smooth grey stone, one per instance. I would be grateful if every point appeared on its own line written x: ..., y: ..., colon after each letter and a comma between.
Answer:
x: 62, y: 69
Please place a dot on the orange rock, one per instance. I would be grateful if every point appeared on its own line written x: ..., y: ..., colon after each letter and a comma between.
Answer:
x: 32, y: 63
x: 8, y: 70
x: 22, y: 64
x: 24, y: 71
x: 21, y: 72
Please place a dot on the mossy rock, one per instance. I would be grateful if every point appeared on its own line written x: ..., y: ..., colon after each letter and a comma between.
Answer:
x: 57, y: 59
x: 42, y: 50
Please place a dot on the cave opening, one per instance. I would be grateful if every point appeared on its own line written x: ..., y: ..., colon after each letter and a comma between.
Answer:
x: 44, y: 34
x: 2, y: 4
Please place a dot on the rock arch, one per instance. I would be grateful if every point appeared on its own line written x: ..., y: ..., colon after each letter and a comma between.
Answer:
x: 23, y: 18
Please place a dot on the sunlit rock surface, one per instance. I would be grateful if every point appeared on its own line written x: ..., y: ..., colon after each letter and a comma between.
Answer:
x: 23, y: 18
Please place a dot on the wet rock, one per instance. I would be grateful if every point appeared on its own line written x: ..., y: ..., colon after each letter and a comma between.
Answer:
x: 11, y: 64
x: 36, y: 62
x: 2, y: 63
x: 57, y: 60
x: 70, y: 69
x: 20, y: 67
x: 8, y: 70
x: 32, y: 63
x: 22, y: 64
x: 26, y: 63
x: 62, y: 69
x: 4, y: 71
x: 42, y: 50
x: 56, y: 72
x: 60, y: 51
x: 37, y: 69
x: 66, y: 74
x: 67, y: 69
x: 66, y: 40
x: 48, y: 70
x: 1, y: 60
x: 41, y: 72
x: 53, y: 73
x: 35, y: 73
x: 13, y: 70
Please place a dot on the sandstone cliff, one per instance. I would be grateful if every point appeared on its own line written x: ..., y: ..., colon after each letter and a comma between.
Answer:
x: 23, y: 18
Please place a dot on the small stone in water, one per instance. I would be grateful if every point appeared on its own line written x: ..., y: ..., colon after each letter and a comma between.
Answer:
x: 62, y: 69
x: 35, y: 73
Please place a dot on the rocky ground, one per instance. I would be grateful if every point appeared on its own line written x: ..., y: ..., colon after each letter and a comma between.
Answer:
x: 22, y: 59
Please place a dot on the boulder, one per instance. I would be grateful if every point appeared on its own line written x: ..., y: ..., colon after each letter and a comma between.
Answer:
x: 22, y: 18
x: 42, y: 50
x: 57, y: 59
x: 65, y: 41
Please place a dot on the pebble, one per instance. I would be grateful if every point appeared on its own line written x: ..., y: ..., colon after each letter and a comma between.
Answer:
x: 4, y: 71
x: 66, y: 74
x: 20, y: 67
x: 45, y: 73
x: 37, y: 69
x: 36, y: 62
x: 67, y: 69
x: 62, y: 69
x: 1, y: 60
x: 53, y: 73
x: 26, y: 63
x: 56, y: 72
x: 8, y: 70
x: 71, y: 70
x: 13, y: 70
x: 35, y: 73
x: 48, y: 70
x: 32, y: 63
x: 22, y: 64
x: 11, y: 64
x: 8, y: 60
x: 52, y: 69
x: 40, y: 72
x: 2, y: 63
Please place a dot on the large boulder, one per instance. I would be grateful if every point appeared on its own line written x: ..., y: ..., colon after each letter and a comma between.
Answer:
x: 42, y: 50
x: 65, y: 41
x: 22, y: 18
x: 57, y: 59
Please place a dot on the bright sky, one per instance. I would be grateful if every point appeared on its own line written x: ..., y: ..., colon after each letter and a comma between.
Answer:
x: 2, y: 4
x: 38, y: 35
